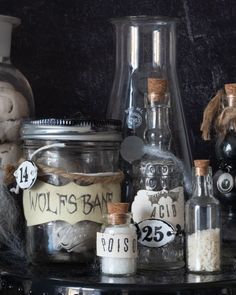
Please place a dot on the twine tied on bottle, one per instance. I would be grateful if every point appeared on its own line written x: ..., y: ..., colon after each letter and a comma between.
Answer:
x: 80, y: 178
x: 220, y: 113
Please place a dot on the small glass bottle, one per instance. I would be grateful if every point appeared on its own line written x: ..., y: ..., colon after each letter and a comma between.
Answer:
x: 158, y: 206
x: 117, y: 242
x: 203, y: 225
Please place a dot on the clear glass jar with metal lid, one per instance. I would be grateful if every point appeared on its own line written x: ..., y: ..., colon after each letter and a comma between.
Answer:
x: 77, y: 162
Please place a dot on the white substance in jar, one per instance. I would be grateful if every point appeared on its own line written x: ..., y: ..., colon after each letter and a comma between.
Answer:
x: 119, y: 266
x: 203, y: 250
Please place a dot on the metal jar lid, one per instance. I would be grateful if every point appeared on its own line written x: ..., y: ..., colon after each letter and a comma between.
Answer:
x: 72, y: 130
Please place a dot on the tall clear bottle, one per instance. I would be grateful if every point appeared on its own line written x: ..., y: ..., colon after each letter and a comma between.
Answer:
x: 158, y: 206
x: 145, y: 47
x: 16, y: 98
x: 203, y: 223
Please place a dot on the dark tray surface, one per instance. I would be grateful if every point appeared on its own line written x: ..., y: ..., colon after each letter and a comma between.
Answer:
x: 78, y: 276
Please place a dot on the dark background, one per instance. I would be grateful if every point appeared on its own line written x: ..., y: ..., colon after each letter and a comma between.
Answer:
x: 66, y: 49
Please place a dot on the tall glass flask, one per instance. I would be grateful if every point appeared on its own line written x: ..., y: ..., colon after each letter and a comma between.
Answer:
x: 145, y: 47
x: 203, y: 223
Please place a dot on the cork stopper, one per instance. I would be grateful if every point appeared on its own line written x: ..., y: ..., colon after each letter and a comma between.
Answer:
x: 156, y: 89
x: 117, y: 212
x: 201, y: 167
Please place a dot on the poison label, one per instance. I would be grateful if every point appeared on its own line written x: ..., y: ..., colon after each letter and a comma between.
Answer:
x: 116, y: 245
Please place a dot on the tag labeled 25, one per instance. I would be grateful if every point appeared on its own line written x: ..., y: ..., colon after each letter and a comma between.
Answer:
x: 155, y: 233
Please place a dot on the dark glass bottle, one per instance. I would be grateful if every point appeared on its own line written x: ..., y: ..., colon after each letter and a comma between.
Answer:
x: 224, y: 178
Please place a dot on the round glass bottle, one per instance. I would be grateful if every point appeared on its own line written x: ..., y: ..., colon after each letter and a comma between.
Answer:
x: 16, y: 98
x: 78, y: 175
x: 203, y: 223
x: 117, y: 242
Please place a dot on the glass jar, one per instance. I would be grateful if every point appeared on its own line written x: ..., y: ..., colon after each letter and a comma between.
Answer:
x: 117, y: 242
x: 16, y: 98
x: 203, y: 223
x: 78, y: 175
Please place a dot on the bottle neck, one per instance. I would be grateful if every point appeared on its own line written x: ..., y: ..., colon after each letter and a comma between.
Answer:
x: 119, y: 218
x: 5, y: 60
x: 133, y: 49
x: 203, y: 186
x: 5, y: 41
x: 230, y: 101
x: 158, y: 132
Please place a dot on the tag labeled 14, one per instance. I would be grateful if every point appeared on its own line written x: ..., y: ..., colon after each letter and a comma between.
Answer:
x: 26, y: 174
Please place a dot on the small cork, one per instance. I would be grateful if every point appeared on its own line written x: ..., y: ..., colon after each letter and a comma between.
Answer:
x: 117, y: 212
x: 201, y: 167
x: 230, y: 89
x: 156, y: 89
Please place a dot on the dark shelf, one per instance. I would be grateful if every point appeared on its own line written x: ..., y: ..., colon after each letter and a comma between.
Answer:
x: 76, y: 280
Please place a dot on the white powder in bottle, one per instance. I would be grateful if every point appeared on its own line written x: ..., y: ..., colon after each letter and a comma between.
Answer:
x: 117, y: 242
x: 203, y: 251
x: 119, y: 266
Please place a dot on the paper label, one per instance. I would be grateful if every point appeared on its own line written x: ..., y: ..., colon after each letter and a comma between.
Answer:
x: 150, y: 207
x: 116, y: 245
x: 164, y: 205
x: 71, y: 202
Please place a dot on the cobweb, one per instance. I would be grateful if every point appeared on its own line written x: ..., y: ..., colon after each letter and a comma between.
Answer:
x: 11, y: 225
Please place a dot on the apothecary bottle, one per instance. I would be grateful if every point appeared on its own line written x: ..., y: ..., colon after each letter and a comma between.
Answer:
x: 145, y: 47
x: 203, y: 223
x: 78, y: 174
x: 117, y: 242
x: 224, y: 178
x: 158, y: 206
x: 16, y: 98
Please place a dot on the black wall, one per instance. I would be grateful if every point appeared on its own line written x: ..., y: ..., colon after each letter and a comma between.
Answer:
x: 66, y: 50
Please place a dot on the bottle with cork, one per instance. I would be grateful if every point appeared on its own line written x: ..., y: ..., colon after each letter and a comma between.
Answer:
x: 158, y: 207
x: 117, y: 242
x: 203, y: 223
x: 224, y: 178
x: 220, y: 116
